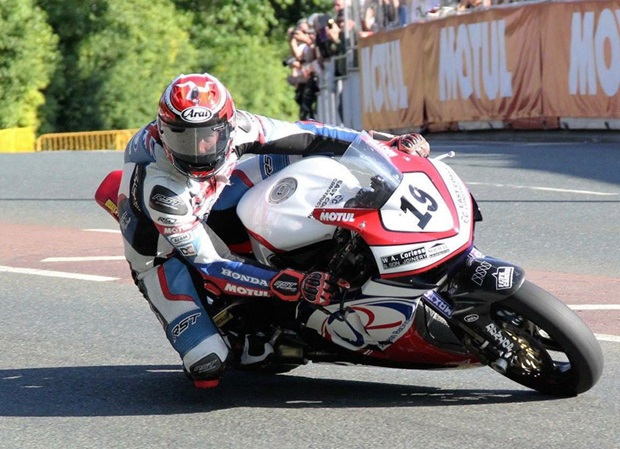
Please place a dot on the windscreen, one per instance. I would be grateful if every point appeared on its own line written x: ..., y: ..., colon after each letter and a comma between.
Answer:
x: 369, y: 161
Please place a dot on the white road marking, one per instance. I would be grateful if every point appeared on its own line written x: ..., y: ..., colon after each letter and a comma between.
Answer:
x: 548, y: 189
x: 83, y: 259
x: 594, y: 306
x: 57, y: 274
x: 114, y: 231
x: 604, y: 337
x: 95, y: 278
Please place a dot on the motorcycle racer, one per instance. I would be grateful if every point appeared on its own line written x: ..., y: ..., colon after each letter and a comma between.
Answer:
x: 184, y: 167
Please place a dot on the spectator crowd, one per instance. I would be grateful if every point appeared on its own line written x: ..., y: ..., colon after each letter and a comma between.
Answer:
x: 320, y: 37
x: 312, y: 41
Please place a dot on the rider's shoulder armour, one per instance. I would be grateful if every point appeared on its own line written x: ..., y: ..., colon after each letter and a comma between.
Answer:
x: 162, y: 199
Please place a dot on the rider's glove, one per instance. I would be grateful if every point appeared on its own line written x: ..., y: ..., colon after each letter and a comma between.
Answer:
x: 316, y: 287
x: 411, y: 143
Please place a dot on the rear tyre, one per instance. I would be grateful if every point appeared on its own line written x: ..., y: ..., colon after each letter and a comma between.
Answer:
x: 559, y: 354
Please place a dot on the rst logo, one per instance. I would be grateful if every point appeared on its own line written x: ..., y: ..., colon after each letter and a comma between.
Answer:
x: 167, y: 220
x: 286, y: 286
x: 337, y: 216
x: 167, y: 200
x: 268, y: 164
x: 183, y: 325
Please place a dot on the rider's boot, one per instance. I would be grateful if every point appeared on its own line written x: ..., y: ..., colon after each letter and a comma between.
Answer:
x: 205, y: 364
x: 206, y: 372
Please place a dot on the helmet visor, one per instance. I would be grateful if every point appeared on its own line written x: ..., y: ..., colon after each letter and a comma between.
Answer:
x: 197, y: 146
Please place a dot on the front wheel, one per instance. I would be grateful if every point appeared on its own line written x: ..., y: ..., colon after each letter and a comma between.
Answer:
x: 558, y: 354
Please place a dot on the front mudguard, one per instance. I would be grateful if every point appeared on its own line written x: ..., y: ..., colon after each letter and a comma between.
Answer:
x: 485, y: 279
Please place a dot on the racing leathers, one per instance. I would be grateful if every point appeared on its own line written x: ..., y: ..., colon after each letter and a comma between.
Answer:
x: 172, y: 252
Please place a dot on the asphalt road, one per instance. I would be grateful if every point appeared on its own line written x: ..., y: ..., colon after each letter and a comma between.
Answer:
x: 86, y: 365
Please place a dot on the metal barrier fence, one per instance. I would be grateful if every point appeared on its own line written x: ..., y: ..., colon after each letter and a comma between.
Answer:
x: 86, y: 140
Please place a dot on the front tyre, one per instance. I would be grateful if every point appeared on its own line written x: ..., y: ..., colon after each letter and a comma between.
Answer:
x: 558, y: 353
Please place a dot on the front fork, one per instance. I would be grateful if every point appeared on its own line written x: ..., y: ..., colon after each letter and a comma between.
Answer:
x: 465, y: 303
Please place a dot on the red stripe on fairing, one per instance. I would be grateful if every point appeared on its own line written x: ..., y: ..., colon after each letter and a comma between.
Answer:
x: 241, y: 248
x: 264, y: 242
x: 163, y: 282
x: 244, y: 178
x: 371, y: 319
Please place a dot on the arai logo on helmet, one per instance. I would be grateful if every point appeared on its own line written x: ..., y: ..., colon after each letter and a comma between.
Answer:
x: 196, y: 114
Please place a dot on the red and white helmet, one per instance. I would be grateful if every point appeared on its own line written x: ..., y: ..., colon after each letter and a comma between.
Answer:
x: 196, y: 120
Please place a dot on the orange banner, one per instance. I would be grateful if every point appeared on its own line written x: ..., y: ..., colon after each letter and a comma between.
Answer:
x: 483, y: 66
x: 527, y: 63
x: 581, y: 59
x: 391, y: 73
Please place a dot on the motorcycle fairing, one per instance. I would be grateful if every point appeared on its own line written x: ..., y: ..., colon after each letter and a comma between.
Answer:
x: 390, y: 331
x: 365, y: 323
x: 413, y: 213
x: 106, y: 194
x: 276, y: 209
x: 408, y: 239
x: 486, y: 279
x: 429, y: 216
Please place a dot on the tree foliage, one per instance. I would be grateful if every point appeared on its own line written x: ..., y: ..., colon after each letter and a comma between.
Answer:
x: 116, y: 56
x: 236, y: 42
x: 28, y: 52
x: 118, y: 59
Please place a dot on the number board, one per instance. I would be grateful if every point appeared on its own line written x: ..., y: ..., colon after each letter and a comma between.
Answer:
x: 417, y: 205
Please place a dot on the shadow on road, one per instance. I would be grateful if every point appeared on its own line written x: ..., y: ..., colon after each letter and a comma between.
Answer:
x: 163, y: 390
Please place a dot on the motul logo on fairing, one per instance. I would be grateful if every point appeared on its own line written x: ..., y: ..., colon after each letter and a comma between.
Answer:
x: 238, y: 290
x: 196, y: 114
x: 337, y: 216
x: 244, y: 278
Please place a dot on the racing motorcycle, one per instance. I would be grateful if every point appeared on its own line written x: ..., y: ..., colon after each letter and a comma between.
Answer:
x: 400, y: 230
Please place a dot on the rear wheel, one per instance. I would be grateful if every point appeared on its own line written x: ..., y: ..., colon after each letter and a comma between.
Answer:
x: 558, y: 353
